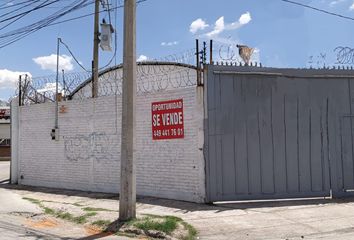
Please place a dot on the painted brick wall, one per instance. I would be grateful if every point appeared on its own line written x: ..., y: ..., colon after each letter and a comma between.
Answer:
x: 87, y: 156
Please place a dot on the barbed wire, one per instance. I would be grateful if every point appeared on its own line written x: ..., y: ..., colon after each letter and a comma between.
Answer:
x: 345, y: 55
x: 228, y: 53
x: 151, y: 77
x: 186, y: 56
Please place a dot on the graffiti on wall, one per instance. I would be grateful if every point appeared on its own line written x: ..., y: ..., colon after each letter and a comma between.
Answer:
x: 96, y: 146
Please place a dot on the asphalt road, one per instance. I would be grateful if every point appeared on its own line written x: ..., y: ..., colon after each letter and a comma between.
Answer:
x: 4, y: 171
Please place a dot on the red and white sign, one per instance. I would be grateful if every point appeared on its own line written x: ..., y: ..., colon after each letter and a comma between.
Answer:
x: 5, y: 113
x: 167, y: 120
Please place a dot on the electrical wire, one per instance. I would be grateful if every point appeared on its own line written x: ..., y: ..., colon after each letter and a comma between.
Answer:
x: 11, y: 37
x: 20, y: 8
x: 90, y: 14
x: 71, y: 53
x: 19, y: 16
x: 318, y: 9
x: 18, y: 34
x: 9, y: 5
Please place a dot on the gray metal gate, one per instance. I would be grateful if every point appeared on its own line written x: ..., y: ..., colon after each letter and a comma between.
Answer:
x: 278, y: 133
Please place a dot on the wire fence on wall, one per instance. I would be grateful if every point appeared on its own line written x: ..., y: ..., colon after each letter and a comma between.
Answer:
x: 151, y: 77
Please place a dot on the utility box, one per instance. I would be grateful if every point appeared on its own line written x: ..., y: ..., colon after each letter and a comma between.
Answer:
x: 106, y: 36
x: 55, y: 134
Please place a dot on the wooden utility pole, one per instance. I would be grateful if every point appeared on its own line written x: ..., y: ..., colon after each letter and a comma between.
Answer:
x: 96, y: 42
x: 127, y: 198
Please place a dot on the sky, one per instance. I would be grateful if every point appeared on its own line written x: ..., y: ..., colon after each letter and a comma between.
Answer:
x: 283, y: 34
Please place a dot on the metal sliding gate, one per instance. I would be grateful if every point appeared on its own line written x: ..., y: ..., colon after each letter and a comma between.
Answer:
x: 278, y: 133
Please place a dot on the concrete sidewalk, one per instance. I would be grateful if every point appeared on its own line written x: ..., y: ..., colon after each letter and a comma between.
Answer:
x: 311, y: 219
x: 4, y: 170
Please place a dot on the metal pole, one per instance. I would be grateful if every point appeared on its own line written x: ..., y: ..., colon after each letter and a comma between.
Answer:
x: 204, y: 53
x: 96, y: 41
x: 64, y: 85
x: 127, y: 198
x: 198, y: 64
x: 211, y: 52
x: 57, y: 87
x: 20, y: 90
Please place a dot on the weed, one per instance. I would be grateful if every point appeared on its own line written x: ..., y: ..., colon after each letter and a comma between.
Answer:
x: 166, y: 225
x: 102, y: 223
x: 32, y: 200
x: 91, y: 209
x: 64, y: 215
x: 192, y: 232
x: 48, y: 211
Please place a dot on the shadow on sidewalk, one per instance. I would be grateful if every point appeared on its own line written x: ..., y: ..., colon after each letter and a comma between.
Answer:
x: 182, y: 206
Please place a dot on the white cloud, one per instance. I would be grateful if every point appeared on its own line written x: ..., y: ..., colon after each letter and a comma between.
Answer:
x: 50, y: 62
x: 197, y: 25
x: 351, y: 8
x: 220, y: 25
x: 218, y: 28
x: 9, y: 79
x: 142, y: 58
x: 335, y: 2
x: 168, y: 44
x: 50, y: 87
x: 245, y: 18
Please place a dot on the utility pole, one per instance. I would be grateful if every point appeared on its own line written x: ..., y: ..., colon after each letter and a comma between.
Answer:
x: 56, y: 126
x: 96, y: 42
x: 127, y: 198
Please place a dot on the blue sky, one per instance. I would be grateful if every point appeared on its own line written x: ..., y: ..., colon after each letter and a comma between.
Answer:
x: 283, y: 34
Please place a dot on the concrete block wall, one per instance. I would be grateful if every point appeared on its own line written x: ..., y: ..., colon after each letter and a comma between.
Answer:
x: 87, y: 155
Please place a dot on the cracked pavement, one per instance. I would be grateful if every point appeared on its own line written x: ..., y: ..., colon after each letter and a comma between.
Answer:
x: 287, y: 220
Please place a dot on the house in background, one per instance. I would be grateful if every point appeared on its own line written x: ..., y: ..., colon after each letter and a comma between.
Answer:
x: 5, y: 136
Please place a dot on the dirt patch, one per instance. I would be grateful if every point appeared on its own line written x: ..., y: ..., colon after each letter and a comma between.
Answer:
x: 43, y: 223
x: 96, y: 231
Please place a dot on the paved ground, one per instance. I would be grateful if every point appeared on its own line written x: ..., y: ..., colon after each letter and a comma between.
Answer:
x: 292, y: 220
x: 21, y: 219
x: 4, y: 170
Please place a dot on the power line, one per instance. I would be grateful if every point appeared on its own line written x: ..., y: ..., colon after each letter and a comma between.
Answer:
x: 90, y: 14
x: 71, y: 53
x: 318, y: 9
x: 23, y: 32
x: 9, y: 5
x: 21, y: 15
x: 18, y: 34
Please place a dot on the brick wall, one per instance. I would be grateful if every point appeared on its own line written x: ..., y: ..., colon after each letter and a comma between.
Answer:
x: 87, y: 156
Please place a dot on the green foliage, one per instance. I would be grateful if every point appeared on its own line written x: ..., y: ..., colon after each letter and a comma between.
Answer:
x: 48, y: 211
x: 91, y: 209
x: 192, y: 232
x: 102, y: 223
x: 32, y: 200
x: 166, y: 224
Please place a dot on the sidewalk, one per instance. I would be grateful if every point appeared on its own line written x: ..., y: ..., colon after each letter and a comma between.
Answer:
x: 311, y: 219
x: 4, y: 170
